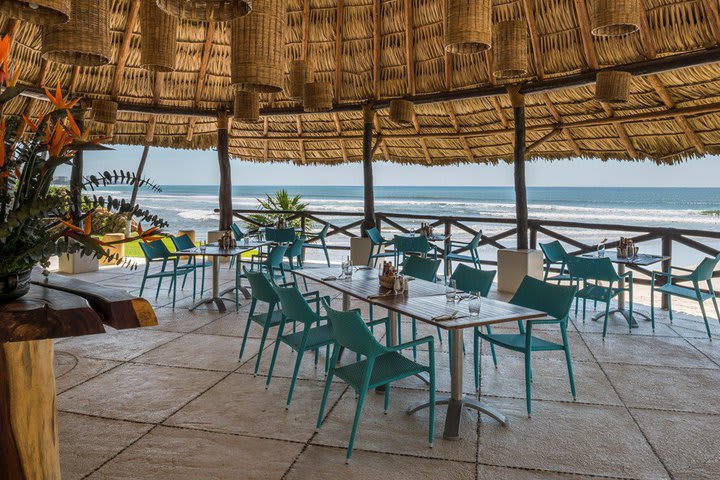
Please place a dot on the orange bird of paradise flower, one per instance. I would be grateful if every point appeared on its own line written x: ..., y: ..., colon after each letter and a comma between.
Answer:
x: 59, y: 139
x: 2, y: 147
x: 58, y: 100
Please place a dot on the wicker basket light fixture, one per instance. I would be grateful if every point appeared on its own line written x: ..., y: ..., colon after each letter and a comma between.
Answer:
x: 615, y: 17
x: 402, y: 111
x: 207, y: 10
x: 84, y: 40
x: 39, y: 12
x: 104, y: 111
x: 317, y: 97
x: 468, y: 26
x: 612, y: 86
x: 510, y: 49
x: 300, y: 73
x: 246, y: 107
x: 256, y: 48
x: 159, y: 37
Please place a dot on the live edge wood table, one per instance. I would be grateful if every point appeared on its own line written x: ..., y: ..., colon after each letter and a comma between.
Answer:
x: 426, y: 302
x: 55, y: 307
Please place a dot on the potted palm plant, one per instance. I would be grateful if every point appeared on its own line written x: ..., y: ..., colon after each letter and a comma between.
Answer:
x: 35, y: 222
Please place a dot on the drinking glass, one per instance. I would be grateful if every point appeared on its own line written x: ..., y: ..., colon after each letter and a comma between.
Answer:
x: 203, y: 247
x: 601, y: 250
x: 343, y: 267
x: 474, y: 304
x: 450, y: 291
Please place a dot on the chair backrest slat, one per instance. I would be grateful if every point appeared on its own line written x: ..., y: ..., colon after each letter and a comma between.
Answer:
x: 280, y: 235
x: 294, y: 306
x: 554, y: 252
x: 469, y: 279
x: 155, y: 250
x: 704, y: 271
x: 261, y: 288
x: 419, y: 244
x: 183, y: 242
x: 598, y: 269
x: 374, y: 235
x: 352, y: 333
x: 422, y: 268
x: 237, y: 233
x: 275, y: 257
x: 555, y: 300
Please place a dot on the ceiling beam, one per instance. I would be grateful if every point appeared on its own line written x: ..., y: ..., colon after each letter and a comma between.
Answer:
x: 409, y: 49
x: 338, y: 48
x: 378, y: 129
x: 450, y: 109
x: 124, y: 50
x: 713, y: 16
x: 305, y: 41
x: 646, y: 39
x: 558, y: 118
x: 586, y: 34
x: 376, y: 48
x: 204, y: 60
x: 338, y: 129
x: 621, y: 132
x: 534, y: 39
x: 448, y: 58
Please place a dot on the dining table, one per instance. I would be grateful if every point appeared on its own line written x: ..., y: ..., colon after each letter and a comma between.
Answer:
x: 638, y: 260
x: 427, y: 302
x: 215, y: 252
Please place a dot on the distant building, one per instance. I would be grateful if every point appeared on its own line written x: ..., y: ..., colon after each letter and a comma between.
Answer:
x: 61, y: 180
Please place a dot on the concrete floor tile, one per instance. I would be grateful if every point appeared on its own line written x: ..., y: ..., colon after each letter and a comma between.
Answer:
x: 181, y: 454
x: 181, y: 320
x: 144, y: 393
x: 207, y: 352
x: 637, y: 350
x: 233, y: 325
x: 240, y: 404
x: 487, y: 472
x: 119, y: 345
x: 71, y: 370
x: 88, y: 442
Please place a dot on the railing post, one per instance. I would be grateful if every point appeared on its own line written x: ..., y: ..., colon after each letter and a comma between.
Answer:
x: 533, y: 236
x: 303, y: 221
x: 378, y: 222
x: 447, y: 246
x: 666, y: 252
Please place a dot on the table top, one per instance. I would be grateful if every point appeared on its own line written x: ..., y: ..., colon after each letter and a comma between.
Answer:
x: 642, y: 259
x: 435, y: 237
x: 216, y: 251
x: 424, y: 300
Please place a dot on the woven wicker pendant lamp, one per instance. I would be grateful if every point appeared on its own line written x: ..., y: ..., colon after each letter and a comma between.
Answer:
x: 615, y: 17
x: 510, y: 49
x: 468, y: 26
x: 84, y: 40
x: 104, y: 111
x: 257, y: 45
x: 159, y: 37
x: 402, y: 111
x: 39, y: 12
x: 300, y: 73
x: 612, y: 86
x: 246, y: 107
x: 206, y: 10
x: 317, y: 97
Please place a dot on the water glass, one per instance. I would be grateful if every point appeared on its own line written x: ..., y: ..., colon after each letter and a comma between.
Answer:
x: 474, y: 304
x: 601, y: 250
x: 450, y: 291
x: 203, y: 248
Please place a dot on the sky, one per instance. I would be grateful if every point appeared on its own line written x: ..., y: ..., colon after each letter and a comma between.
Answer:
x: 186, y: 167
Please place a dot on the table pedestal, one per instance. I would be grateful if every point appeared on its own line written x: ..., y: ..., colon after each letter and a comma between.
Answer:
x: 621, y: 304
x: 28, y: 414
x: 216, y: 297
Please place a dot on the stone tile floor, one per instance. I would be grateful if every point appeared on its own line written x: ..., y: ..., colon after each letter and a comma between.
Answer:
x: 174, y: 402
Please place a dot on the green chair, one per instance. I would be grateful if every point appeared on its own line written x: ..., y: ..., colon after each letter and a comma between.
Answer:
x: 280, y: 235
x: 423, y: 269
x: 316, y: 332
x: 471, y: 247
x: 270, y: 262
x: 183, y: 242
x: 591, y: 272
x: 702, y: 273
x: 294, y: 256
x: 157, y: 252
x: 555, y: 254
x: 378, y: 242
x: 469, y: 279
x: 321, y: 236
x: 417, y: 245
x: 263, y: 292
x: 238, y: 234
x: 556, y: 301
x: 382, y: 365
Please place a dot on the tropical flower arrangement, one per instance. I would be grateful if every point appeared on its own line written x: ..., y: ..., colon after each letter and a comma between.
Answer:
x: 36, y: 222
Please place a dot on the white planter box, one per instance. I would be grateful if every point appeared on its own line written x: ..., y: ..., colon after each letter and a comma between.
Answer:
x: 76, y: 264
x: 514, y: 265
x: 359, y: 250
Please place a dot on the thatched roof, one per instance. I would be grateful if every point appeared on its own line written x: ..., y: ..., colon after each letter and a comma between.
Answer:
x: 670, y: 115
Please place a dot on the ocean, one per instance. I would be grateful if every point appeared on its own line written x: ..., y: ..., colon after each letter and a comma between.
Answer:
x: 191, y: 206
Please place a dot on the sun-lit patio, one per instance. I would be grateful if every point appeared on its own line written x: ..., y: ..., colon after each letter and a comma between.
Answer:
x: 172, y: 402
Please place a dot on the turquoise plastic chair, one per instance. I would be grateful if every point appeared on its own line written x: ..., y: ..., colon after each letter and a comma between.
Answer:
x: 382, y: 365
x: 424, y: 269
x: 471, y: 247
x: 592, y: 271
x: 469, y: 279
x: 418, y: 245
x: 238, y: 234
x: 378, y: 242
x: 294, y: 256
x: 702, y: 273
x: 280, y: 235
x: 157, y: 252
x: 316, y: 332
x: 556, y: 301
x: 270, y: 263
x: 555, y: 254
x: 183, y: 242
x: 321, y: 236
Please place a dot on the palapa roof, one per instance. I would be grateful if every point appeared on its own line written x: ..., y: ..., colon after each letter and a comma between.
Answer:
x: 382, y: 49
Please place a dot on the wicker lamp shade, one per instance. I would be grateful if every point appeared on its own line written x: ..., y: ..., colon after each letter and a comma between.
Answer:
x: 402, y: 111
x: 615, y: 17
x: 510, y: 49
x: 246, y: 107
x: 84, y: 40
x: 39, y: 12
x: 104, y: 111
x: 257, y: 45
x: 612, y: 86
x: 317, y: 97
x: 159, y: 37
x: 468, y: 26
x: 207, y: 10
x: 300, y: 73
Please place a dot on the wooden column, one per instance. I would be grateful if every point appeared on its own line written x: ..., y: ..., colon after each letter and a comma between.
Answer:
x: 369, y: 204
x: 521, y: 209
x: 225, y: 197
x: 136, y: 185
x: 76, y: 180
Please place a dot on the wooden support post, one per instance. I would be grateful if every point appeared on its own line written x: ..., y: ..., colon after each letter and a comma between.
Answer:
x: 136, y: 186
x: 225, y: 196
x: 521, y: 209
x: 447, y: 246
x: 666, y: 248
x: 369, y: 204
x: 76, y: 181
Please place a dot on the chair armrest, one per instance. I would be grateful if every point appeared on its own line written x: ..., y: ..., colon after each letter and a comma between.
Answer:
x: 318, y: 299
x: 689, y: 270
x: 544, y: 321
x: 379, y: 321
x: 627, y: 274
x: 414, y: 343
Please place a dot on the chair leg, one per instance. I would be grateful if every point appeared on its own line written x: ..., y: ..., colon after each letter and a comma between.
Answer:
x: 326, y: 392
x: 414, y: 336
x: 607, y: 315
x: 652, y: 303
x: 492, y: 347
x: 266, y: 327
x: 274, y: 355
x: 431, y: 412
x: 717, y: 310
x: 386, y: 400
x: 157, y: 292
x: 296, y: 371
x: 327, y: 256
x: 439, y: 333
x: 670, y: 308
x: 202, y: 281
x: 702, y: 309
x: 476, y: 359
x: 142, y: 285
x: 528, y: 384
x: 568, y: 361
x: 358, y: 412
x: 174, y: 284
x: 244, y: 340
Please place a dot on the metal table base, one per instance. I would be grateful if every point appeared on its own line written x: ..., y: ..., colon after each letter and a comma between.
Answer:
x: 218, y: 297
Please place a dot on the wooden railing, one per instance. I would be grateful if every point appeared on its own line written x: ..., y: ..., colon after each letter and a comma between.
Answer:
x: 451, y: 224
